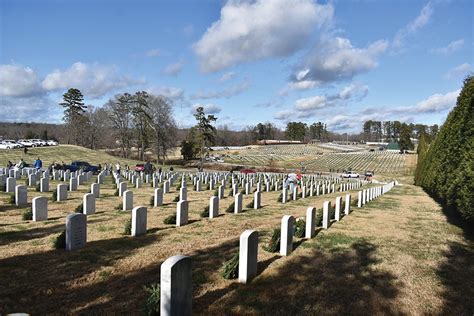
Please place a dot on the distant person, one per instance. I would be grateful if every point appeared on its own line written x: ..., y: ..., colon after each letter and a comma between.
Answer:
x: 100, y: 167
x: 117, y: 168
x: 38, y: 164
x: 25, y: 151
x: 21, y: 164
x: 147, y: 168
x: 9, y: 165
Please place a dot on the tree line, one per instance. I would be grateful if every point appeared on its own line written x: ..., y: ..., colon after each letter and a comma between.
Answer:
x: 391, y: 131
x: 445, y: 166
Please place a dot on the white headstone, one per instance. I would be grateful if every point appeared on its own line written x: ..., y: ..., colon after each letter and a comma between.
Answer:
x: 176, y: 286
x: 21, y: 195
x: 158, y: 197
x: 61, y: 192
x: 127, y: 200
x: 310, y: 222
x: 248, y: 251
x: 347, y: 207
x: 337, y: 213
x: 39, y: 206
x: 238, y: 203
x: 88, y: 204
x: 139, y: 220
x: 182, y: 213
x: 11, y: 184
x: 287, y: 231
x: 326, y: 215
x: 76, y: 231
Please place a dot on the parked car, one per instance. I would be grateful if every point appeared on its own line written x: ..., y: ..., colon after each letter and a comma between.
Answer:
x: 12, y: 143
x: 82, y: 165
x: 27, y: 143
x: 52, y: 142
x: 350, y: 174
x: 139, y: 167
x: 39, y: 142
x: 4, y: 145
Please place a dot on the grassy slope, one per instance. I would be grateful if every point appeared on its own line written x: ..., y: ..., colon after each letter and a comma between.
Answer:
x: 66, y: 153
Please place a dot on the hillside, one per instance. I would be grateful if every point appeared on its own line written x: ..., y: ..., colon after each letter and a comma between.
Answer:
x: 66, y: 153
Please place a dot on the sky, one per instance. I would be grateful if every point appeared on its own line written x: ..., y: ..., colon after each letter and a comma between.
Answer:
x: 341, y: 62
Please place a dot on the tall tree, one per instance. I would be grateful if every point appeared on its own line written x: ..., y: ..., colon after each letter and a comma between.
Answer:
x: 296, y: 130
x: 74, y: 109
x: 405, y: 142
x: 119, y: 109
x: 205, y: 129
x: 161, y: 122
x: 141, y: 119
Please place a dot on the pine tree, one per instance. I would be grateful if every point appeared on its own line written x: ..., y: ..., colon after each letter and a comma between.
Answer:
x: 74, y: 109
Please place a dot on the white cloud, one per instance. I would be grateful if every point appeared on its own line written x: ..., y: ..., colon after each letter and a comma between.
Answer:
x: 312, y: 103
x: 227, y: 76
x: 414, y: 26
x: 450, y: 48
x: 335, y: 59
x: 354, y: 91
x: 18, y: 81
x: 208, y: 108
x: 300, y: 85
x: 458, y: 71
x: 155, y: 52
x: 172, y: 93
x: 248, y: 31
x: 437, y: 102
x: 173, y: 69
x: 226, y: 93
x: 93, y: 80
x: 30, y: 109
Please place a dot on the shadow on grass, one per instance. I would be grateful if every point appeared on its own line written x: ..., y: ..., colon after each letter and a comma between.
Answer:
x: 457, y: 276
x: 61, y: 276
x: 338, y: 283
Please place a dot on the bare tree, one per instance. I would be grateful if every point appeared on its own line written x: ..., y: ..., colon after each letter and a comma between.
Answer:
x: 119, y: 109
x: 162, y: 123
x: 98, y: 123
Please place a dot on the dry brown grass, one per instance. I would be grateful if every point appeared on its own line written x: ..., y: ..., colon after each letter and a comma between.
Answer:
x: 384, y: 258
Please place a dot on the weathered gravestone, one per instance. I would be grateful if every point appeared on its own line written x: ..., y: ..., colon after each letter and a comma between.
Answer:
x: 21, y: 195
x: 76, y: 231
x: 158, y: 197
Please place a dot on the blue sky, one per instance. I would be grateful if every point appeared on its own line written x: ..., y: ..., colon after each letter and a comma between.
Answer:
x: 340, y: 62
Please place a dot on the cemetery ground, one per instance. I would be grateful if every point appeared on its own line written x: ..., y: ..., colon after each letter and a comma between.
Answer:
x: 399, y: 254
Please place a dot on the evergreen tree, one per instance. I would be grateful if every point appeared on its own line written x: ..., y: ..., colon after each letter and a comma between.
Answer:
x: 205, y: 129
x: 74, y: 110
x: 447, y: 169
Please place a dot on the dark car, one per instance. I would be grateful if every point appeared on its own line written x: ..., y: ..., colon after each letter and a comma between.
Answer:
x: 82, y: 165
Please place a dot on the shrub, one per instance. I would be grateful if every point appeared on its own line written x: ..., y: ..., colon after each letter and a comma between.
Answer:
x: 152, y: 302
x: 127, y: 228
x: 170, y: 220
x: 11, y: 198
x: 205, y: 212
x: 274, y: 243
x: 319, y: 218
x: 230, y: 208
x: 59, y: 242
x: 280, y: 198
x: 116, y: 193
x: 300, y: 227
x: 79, y: 209
x: 54, y: 196
x: 27, y: 214
x: 152, y: 201
x: 230, y: 268
x: 216, y: 192
x: 176, y: 198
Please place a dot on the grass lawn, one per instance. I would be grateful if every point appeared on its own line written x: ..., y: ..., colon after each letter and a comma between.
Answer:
x: 397, y: 255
